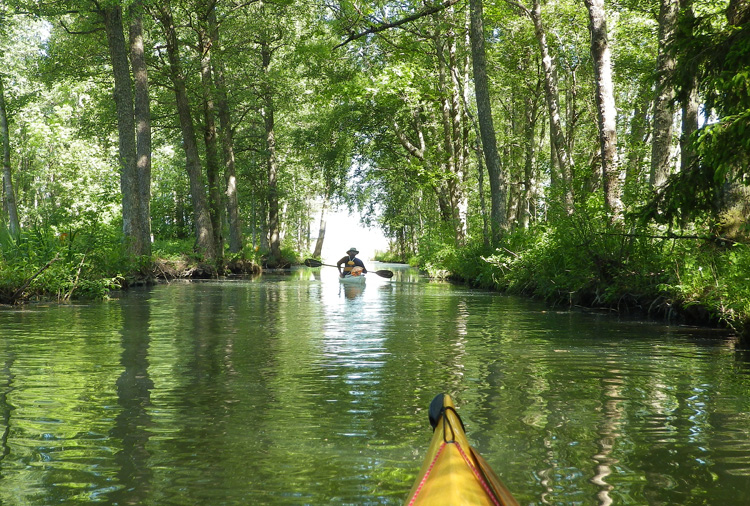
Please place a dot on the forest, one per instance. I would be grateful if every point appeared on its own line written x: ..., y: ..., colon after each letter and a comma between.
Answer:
x: 591, y: 153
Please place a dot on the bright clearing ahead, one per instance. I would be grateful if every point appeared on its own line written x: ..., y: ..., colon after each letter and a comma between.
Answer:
x: 344, y: 231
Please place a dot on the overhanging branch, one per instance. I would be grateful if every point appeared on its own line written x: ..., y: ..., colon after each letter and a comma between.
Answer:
x: 386, y: 26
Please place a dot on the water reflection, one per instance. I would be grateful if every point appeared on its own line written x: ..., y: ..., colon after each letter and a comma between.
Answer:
x: 292, y: 389
x: 351, y: 291
x: 133, y: 422
x: 6, y: 385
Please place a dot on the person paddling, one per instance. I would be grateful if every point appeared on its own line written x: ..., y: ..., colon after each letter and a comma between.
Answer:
x: 353, y: 266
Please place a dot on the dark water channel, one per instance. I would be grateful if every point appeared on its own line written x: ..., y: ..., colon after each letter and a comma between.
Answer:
x: 291, y: 390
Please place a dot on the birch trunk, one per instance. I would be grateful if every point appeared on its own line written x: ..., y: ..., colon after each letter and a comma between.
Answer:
x: 561, y: 153
x: 529, y: 180
x: 321, y: 230
x: 606, y: 112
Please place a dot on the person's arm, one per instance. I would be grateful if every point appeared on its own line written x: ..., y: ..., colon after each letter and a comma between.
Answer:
x: 339, y: 264
x: 362, y: 264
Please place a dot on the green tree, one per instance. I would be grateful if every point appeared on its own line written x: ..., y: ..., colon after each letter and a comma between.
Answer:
x: 204, y: 232
x: 135, y: 194
x: 498, y: 179
x: 10, y: 209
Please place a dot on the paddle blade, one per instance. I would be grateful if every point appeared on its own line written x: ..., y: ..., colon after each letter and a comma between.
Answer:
x: 384, y: 273
x: 310, y: 262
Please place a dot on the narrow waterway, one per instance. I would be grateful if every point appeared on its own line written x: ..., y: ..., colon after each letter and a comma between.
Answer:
x: 295, y: 390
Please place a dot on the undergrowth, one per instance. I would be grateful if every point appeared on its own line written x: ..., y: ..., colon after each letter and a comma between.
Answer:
x: 689, y: 274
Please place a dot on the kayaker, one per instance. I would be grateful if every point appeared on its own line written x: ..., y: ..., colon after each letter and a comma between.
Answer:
x: 350, y: 261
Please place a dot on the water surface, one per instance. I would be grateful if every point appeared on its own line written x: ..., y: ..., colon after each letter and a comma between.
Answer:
x: 294, y: 390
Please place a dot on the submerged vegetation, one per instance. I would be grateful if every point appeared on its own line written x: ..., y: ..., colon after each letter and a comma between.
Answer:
x: 585, y: 153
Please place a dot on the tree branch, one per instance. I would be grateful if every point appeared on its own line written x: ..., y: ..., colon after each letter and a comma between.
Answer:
x: 712, y: 238
x: 385, y: 26
x: 18, y: 293
x: 74, y: 32
x: 411, y: 148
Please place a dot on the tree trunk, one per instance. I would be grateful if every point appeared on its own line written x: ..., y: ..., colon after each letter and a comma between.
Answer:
x: 637, y: 146
x: 227, y: 136
x: 498, y: 181
x: 529, y: 180
x: 10, y: 207
x: 211, y: 142
x: 460, y: 201
x: 204, y: 237
x: 476, y: 144
x: 690, y: 100
x: 142, y: 111
x: 271, y: 161
x: 321, y: 230
x: 123, y: 96
x: 606, y: 113
x: 560, y: 151
x: 663, y: 109
x: 451, y: 130
x: 262, y: 228
x: 179, y: 214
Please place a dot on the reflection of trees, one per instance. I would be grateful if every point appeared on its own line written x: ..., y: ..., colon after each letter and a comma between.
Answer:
x: 268, y: 388
x: 6, y: 385
x: 132, y: 424
x: 217, y: 360
x: 608, y: 432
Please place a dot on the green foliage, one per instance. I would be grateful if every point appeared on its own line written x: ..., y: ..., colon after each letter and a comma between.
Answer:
x: 172, y: 249
x: 718, y: 54
x: 581, y: 261
x: 44, y: 264
x: 290, y: 256
x: 712, y: 278
x: 387, y: 257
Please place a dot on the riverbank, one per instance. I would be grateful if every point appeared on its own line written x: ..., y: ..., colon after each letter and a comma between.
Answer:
x: 681, y: 279
x: 65, y: 277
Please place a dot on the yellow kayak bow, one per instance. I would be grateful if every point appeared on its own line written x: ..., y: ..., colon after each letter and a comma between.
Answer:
x: 453, y: 473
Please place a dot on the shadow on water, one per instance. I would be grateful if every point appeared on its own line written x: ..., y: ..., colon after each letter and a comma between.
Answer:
x: 742, y: 358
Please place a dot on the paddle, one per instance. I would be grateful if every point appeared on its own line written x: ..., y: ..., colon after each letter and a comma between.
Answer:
x: 311, y: 262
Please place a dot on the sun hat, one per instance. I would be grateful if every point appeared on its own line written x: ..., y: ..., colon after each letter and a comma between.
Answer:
x: 352, y: 250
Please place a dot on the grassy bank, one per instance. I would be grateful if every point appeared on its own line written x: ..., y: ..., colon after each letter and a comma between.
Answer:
x: 689, y: 277
x: 42, y: 265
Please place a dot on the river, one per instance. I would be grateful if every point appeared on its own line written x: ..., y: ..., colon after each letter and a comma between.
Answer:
x: 294, y: 390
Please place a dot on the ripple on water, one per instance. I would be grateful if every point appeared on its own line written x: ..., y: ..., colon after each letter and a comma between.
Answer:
x: 289, y: 391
